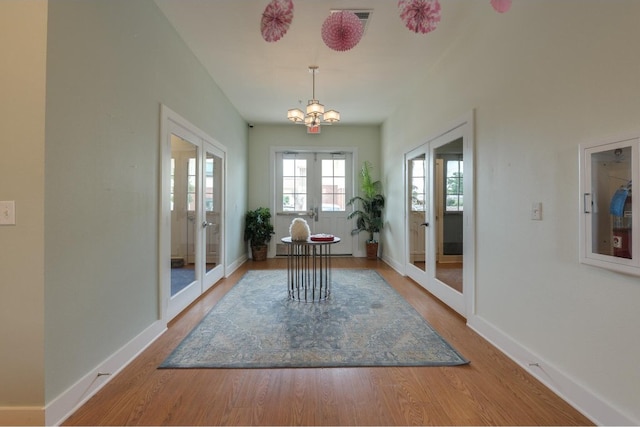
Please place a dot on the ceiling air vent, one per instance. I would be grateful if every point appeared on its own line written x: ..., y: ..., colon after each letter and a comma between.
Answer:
x: 363, y: 14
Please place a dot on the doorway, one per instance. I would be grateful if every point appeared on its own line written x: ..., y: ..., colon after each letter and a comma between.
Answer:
x: 315, y: 186
x: 192, y: 207
x: 439, y: 215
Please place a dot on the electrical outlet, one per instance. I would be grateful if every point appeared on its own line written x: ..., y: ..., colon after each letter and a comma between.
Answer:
x: 8, y: 213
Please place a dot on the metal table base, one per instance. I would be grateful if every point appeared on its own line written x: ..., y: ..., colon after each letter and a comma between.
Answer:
x: 309, y: 269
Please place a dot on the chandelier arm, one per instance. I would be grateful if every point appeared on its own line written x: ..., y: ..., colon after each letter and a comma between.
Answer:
x: 315, y: 114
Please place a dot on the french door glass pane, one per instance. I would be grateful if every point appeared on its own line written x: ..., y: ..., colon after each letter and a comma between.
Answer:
x: 333, y: 185
x: 418, y: 171
x: 208, y: 183
x: 172, y: 183
x: 417, y: 217
x: 212, y: 209
x: 191, y: 184
x: 183, y: 215
x: 453, y: 186
x: 294, y: 184
x: 300, y: 201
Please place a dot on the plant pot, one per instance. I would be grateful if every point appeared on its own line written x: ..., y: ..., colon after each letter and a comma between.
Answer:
x: 372, y: 250
x: 259, y: 253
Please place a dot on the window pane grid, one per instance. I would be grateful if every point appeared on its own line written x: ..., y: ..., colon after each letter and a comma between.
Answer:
x: 191, y: 185
x: 333, y: 185
x: 208, y: 185
x: 294, y: 185
x: 173, y: 181
x: 454, y: 186
x: 418, y: 194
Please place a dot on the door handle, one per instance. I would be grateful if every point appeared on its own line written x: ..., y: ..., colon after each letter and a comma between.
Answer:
x: 426, y: 224
x: 206, y: 224
x: 587, y: 202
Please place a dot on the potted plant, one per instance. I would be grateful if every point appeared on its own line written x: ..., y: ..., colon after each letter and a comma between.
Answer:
x: 368, y: 212
x: 257, y: 231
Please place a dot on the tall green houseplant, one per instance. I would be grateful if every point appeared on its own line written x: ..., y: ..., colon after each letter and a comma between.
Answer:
x: 368, y: 209
x: 257, y: 231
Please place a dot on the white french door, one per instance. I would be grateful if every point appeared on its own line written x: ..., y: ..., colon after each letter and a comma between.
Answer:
x: 192, y: 220
x: 439, y: 216
x: 315, y: 186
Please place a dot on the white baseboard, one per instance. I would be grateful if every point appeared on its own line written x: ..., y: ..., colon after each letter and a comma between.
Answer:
x: 396, y: 266
x: 235, y: 265
x: 588, y: 403
x: 67, y: 402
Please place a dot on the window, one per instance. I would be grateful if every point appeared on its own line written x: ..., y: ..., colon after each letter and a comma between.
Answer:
x: 173, y: 182
x: 191, y: 184
x: 453, y: 186
x: 418, y: 191
x: 294, y: 184
x: 333, y: 185
x: 208, y: 183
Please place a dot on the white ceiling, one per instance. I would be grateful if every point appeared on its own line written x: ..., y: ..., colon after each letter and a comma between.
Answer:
x: 263, y: 80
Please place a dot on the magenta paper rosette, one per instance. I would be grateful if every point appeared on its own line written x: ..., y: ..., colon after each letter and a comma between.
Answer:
x: 420, y: 16
x: 501, y: 6
x: 342, y: 30
x: 276, y: 18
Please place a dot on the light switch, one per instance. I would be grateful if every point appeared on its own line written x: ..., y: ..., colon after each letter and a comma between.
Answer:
x: 8, y: 213
x: 536, y: 211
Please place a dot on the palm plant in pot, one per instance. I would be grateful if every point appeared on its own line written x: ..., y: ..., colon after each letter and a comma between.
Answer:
x: 257, y: 231
x: 368, y: 209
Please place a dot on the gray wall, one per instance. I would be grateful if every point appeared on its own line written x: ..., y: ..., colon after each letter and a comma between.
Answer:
x: 542, y: 78
x: 110, y: 66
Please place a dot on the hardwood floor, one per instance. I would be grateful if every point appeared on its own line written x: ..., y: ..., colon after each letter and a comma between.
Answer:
x: 450, y: 274
x: 491, y: 390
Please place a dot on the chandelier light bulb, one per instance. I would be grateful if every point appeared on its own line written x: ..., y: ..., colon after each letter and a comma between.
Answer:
x: 314, y: 107
x: 295, y: 115
x: 331, y: 116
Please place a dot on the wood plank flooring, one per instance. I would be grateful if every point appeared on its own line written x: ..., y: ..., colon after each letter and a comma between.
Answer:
x: 492, y: 390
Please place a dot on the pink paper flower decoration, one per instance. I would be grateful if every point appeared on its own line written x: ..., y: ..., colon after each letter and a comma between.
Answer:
x: 276, y: 18
x: 342, y: 30
x: 501, y: 5
x: 420, y: 16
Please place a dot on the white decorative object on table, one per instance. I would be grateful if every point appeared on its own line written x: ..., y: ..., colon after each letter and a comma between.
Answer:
x: 299, y: 230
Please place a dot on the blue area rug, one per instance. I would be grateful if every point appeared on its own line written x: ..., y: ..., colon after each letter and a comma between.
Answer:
x: 365, y: 322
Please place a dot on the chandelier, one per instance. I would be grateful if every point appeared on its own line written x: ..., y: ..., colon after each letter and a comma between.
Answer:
x: 315, y: 115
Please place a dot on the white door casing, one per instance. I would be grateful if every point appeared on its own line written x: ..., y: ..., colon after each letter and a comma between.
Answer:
x: 425, y: 273
x: 202, y: 240
x: 314, y: 185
